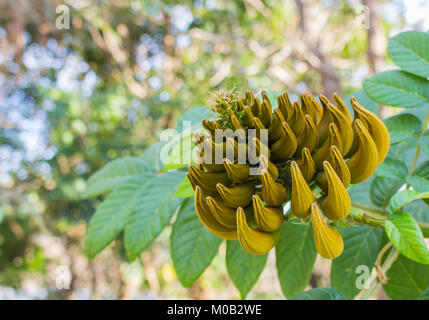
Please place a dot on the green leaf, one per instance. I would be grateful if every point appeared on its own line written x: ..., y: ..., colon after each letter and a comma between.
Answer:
x: 410, y: 51
x: 403, y: 127
x: 180, y: 152
x: 407, y: 279
x: 359, y: 193
x: 194, y: 117
x: 424, y: 144
x: 192, y: 246
x: 420, y: 178
x: 184, y: 190
x: 405, y: 151
x: 295, y: 257
x: 152, y: 155
x: 393, y: 169
x: 397, y: 89
x: 361, y: 246
x: 243, y: 268
x: 405, y: 234
x: 323, y: 293
x: 152, y: 211
x: 419, y: 210
x: 114, y: 173
x: 383, y: 189
x: 420, y: 112
x: 404, y: 197
x: 424, y: 295
x: 108, y: 221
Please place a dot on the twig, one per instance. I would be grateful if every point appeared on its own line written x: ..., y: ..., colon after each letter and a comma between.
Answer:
x: 374, y: 280
x: 380, y: 273
x: 366, y: 208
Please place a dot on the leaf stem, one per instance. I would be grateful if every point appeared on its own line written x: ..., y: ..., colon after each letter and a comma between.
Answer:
x: 372, y: 217
x: 366, y: 218
x: 374, y: 280
x: 380, y: 274
x: 366, y: 208
x: 380, y: 270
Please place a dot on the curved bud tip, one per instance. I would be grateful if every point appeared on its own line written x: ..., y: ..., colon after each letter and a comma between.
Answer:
x: 365, y: 160
x: 329, y: 243
x: 273, y: 193
x: 301, y: 196
x: 306, y: 165
x: 238, y: 173
x: 337, y: 204
x: 222, y: 213
x: 340, y: 166
x: 191, y: 181
x: 376, y: 128
x: 208, y: 220
x: 237, y: 196
x: 267, y: 219
x: 254, y: 241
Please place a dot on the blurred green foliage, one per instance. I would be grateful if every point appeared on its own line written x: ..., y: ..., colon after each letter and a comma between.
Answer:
x: 73, y: 99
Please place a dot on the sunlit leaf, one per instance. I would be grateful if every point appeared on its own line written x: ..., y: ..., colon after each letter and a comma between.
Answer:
x: 404, y: 197
x: 152, y: 211
x: 108, y: 221
x: 181, y: 152
x: 184, y: 190
x: 397, y: 89
x: 405, y: 234
x: 152, y: 155
x: 114, y: 174
x: 410, y: 51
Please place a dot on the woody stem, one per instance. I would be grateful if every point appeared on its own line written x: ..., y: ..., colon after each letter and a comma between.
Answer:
x: 394, y: 253
x: 366, y: 218
x: 374, y: 281
x: 374, y: 219
x: 366, y: 208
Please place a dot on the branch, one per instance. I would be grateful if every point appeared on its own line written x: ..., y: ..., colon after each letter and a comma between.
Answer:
x: 379, y: 275
x: 374, y: 279
x: 375, y: 218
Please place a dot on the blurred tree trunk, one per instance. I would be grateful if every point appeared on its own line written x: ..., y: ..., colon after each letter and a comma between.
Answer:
x: 312, y: 35
x: 15, y: 29
x: 376, y: 40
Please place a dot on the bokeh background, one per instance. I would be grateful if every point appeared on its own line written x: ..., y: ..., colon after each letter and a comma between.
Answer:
x: 73, y: 99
